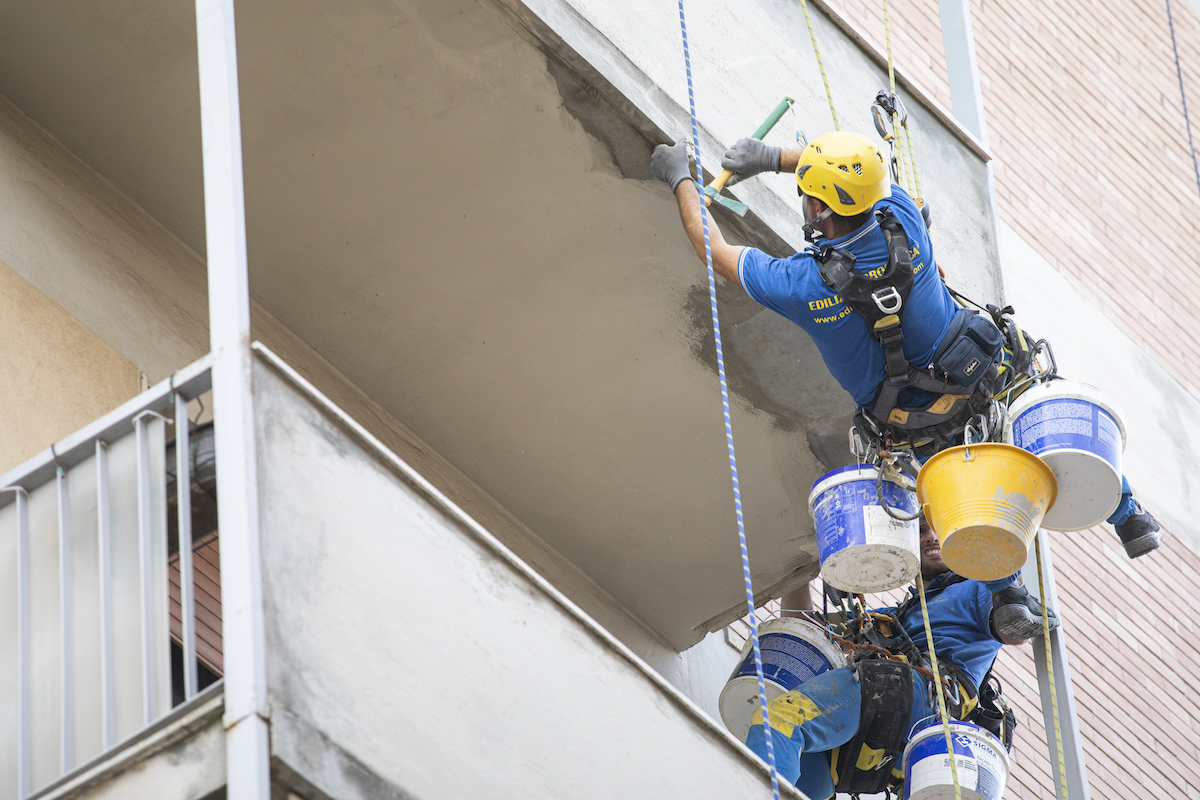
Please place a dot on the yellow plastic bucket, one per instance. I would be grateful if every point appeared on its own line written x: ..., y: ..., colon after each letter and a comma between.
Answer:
x: 985, y: 503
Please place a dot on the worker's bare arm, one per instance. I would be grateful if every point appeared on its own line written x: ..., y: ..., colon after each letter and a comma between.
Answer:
x: 789, y: 159
x: 724, y: 256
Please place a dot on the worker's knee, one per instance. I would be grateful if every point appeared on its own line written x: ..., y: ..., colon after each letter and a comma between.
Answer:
x: 788, y: 711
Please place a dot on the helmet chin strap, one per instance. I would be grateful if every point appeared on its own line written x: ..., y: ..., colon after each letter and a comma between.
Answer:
x: 811, y: 234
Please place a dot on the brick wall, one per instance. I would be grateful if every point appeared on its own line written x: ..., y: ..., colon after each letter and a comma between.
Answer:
x: 1092, y: 164
x: 1135, y: 666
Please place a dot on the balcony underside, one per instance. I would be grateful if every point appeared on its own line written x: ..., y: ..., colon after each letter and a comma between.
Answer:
x: 445, y: 201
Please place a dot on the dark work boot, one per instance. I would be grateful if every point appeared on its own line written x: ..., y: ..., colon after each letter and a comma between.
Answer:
x: 1017, y: 613
x: 1140, y: 533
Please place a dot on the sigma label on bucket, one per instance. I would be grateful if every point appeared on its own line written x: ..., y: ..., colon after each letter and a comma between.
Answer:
x: 979, y: 757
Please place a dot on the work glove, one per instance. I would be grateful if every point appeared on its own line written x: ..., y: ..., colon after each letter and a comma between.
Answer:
x: 748, y: 157
x: 670, y: 164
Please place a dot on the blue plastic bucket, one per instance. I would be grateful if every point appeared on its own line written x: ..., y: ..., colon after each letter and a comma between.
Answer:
x: 861, y: 547
x: 1080, y: 437
x: 793, y: 651
x: 979, y: 756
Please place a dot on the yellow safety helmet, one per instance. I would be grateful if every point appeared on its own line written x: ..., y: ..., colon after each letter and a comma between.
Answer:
x: 844, y: 171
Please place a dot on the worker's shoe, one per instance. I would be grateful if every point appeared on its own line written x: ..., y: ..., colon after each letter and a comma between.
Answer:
x: 1018, y: 614
x: 1140, y: 533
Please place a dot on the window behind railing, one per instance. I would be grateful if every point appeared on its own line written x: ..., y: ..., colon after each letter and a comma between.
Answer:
x: 107, y: 623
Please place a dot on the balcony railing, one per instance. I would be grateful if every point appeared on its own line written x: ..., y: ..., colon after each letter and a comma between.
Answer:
x: 86, y: 638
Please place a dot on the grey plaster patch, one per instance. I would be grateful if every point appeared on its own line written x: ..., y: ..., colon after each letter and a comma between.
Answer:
x: 306, y: 761
x: 629, y: 149
x: 774, y: 367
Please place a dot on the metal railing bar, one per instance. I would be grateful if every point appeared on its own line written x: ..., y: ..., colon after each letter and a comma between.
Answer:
x: 193, y: 380
x: 24, y: 675
x: 146, y: 566
x: 107, y: 650
x: 183, y: 501
x: 66, y: 628
x: 188, y: 718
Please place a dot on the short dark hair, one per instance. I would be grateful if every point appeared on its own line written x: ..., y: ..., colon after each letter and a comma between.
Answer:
x: 856, y: 221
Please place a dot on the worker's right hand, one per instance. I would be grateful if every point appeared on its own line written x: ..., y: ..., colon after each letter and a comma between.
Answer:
x: 670, y: 164
x: 749, y: 157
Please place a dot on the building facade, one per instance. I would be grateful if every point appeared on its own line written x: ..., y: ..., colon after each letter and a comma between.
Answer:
x: 487, y: 544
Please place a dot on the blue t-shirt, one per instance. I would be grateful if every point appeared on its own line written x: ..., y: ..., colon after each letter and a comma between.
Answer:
x: 960, y: 617
x: 793, y: 287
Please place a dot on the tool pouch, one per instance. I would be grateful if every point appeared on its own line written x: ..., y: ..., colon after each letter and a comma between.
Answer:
x: 864, y: 764
x: 971, y: 347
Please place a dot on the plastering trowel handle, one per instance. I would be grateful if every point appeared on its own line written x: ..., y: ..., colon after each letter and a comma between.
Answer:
x: 762, y: 131
x: 770, y: 121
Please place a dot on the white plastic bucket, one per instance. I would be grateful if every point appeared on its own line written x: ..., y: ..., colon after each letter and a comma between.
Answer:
x: 861, y: 547
x: 1080, y: 436
x: 980, y: 757
x: 793, y: 651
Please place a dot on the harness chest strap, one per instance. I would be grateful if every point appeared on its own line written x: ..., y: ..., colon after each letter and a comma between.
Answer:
x: 880, y: 301
x: 879, y: 297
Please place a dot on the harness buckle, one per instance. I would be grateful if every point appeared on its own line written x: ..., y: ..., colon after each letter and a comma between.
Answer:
x: 887, y: 299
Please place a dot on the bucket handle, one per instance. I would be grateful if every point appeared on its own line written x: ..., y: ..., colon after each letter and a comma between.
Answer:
x: 896, y: 515
x: 919, y: 723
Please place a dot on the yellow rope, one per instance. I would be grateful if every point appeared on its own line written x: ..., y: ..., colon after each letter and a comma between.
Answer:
x: 897, y: 131
x: 1062, y: 761
x: 820, y: 65
x: 912, y: 159
x: 940, y: 693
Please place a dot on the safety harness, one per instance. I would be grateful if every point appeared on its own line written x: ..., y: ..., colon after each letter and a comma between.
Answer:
x: 964, y: 369
x: 868, y: 763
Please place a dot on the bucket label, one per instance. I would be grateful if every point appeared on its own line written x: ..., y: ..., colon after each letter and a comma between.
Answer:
x: 980, y: 764
x: 787, y: 660
x: 839, y: 512
x: 1068, y: 424
x: 886, y: 529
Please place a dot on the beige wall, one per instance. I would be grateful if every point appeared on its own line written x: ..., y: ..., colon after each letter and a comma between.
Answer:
x: 57, y: 374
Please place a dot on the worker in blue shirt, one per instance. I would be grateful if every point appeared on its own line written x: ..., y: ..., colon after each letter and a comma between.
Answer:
x: 824, y: 713
x: 843, y: 182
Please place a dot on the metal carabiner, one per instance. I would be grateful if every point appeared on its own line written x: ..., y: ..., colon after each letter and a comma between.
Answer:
x: 858, y: 447
x: 888, y: 299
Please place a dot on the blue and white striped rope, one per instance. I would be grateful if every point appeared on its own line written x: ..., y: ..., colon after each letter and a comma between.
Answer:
x: 737, y: 492
x: 1183, y: 94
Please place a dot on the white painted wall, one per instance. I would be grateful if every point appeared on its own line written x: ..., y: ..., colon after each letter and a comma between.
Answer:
x: 1162, y: 420
x: 421, y: 650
